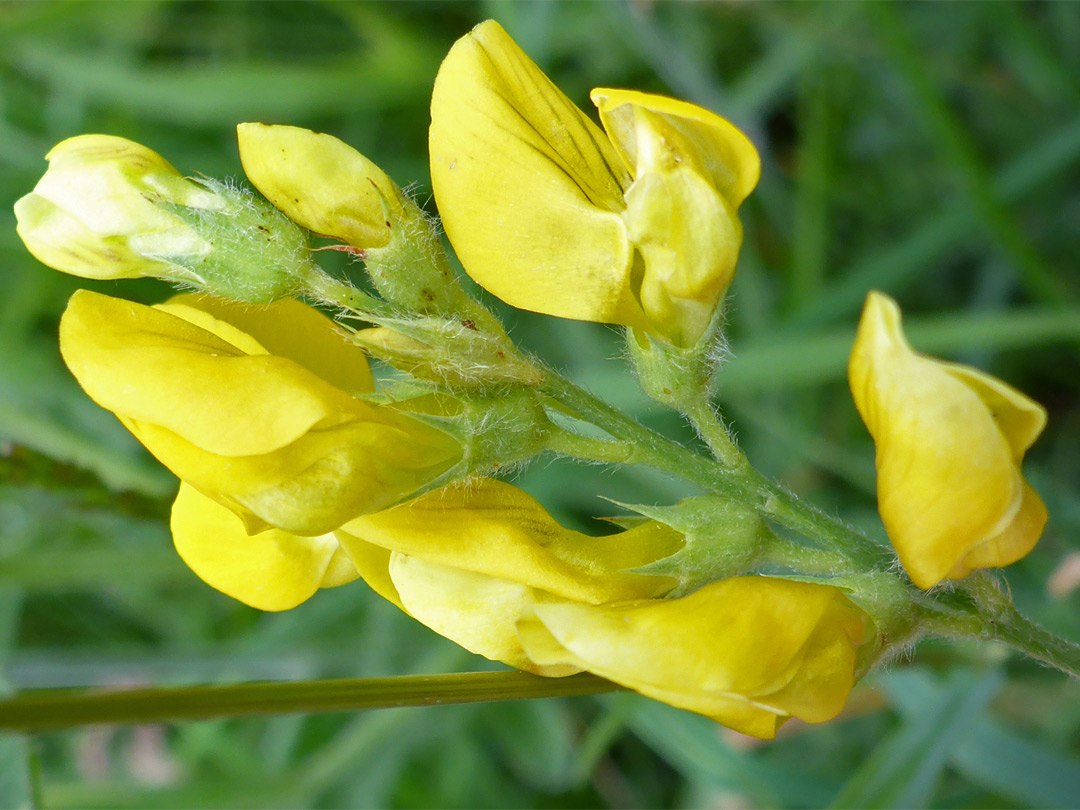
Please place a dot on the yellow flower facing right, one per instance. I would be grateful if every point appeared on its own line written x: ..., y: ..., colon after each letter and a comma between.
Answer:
x: 950, y: 441
x: 637, y: 226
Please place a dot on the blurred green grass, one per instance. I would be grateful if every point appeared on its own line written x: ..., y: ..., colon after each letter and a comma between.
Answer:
x: 932, y: 151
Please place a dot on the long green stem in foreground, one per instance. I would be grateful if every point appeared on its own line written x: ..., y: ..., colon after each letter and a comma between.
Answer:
x: 55, y: 708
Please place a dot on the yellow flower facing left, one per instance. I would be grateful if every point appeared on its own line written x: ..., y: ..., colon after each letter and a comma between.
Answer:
x: 252, y: 406
x: 637, y: 226
x: 950, y: 441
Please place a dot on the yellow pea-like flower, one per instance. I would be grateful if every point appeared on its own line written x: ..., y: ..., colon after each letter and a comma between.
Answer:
x: 950, y: 441
x: 253, y: 407
x: 270, y: 570
x: 320, y: 182
x: 749, y: 652
x: 637, y: 226
x: 467, y: 561
x: 96, y: 212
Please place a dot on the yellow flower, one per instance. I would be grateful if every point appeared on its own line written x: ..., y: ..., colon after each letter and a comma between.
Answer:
x: 269, y: 570
x: 320, y: 182
x: 750, y: 652
x: 638, y: 227
x: 468, y: 561
x: 950, y: 441
x: 96, y: 212
x: 253, y: 407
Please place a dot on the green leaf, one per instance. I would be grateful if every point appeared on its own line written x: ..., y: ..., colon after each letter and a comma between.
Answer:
x: 537, y: 740
x: 996, y: 757
x: 16, y: 758
x: 695, y: 746
x: 904, y: 769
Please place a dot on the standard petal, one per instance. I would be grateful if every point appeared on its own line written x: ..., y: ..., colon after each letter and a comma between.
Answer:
x: 319, y: 182
x: 493, y: 528
x: 712, y: 145
x: 529, y: 189
x: 948, y: 476
x: 290, y: 329
x: 322, y: 479
x: 133, y: 360
x: 271, y: 570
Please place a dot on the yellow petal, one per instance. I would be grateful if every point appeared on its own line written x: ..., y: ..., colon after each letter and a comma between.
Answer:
x: 133, y: 360
x: 476, y: 611
x: 58, y: 239
x: 949, y: 440
x: 271, y: 570
x: 530, y: 191
x: 747, y: 651
x: 1019, y: 418
x: 290, y: 329
x: 1014, y: 543
x: 691, y: 171
x: 319, y: 182
x: 689, y: 238
x: 323, y: 478
x: 493, y: 528
x: 712, y: 145
x: 373, y: 563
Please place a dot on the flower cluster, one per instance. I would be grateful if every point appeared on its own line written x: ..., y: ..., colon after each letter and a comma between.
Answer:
x: 297, y: 474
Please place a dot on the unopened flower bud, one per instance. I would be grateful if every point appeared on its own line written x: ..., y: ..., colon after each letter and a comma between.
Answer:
x: 109, y: 208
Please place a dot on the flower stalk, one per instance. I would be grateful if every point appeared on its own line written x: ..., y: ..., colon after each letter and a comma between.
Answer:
x: 53, y: 709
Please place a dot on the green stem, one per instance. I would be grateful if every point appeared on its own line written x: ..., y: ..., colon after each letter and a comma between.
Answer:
x: 738, y: 481
x: 586, y: 448
x: 61, y: 708
x: 646, y: 446
x: 327, y: 290
x: 1024, y: 635
x: 804, y: 559
x: 709, y: 427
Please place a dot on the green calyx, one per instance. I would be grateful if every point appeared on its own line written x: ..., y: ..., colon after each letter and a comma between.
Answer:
x: 256, y: 254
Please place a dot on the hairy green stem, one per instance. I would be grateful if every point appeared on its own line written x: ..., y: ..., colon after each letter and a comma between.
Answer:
x: 804, y: 559
x: 1024, y: 635
x: 714, y: 433
x: 62, y: 708
x: 738, y: 480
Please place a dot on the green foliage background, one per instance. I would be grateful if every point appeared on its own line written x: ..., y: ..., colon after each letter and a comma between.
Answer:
x: 931, y: 151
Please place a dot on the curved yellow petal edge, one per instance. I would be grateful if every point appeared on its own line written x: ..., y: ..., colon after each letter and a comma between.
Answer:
x: 261, y: 433
x: 269, y: 570
x: 750, y: 652
x: 529, y: 189
x: 469, y: 560
x: 949, y: 442
x: 319, y: 182
x: 638, y: 227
